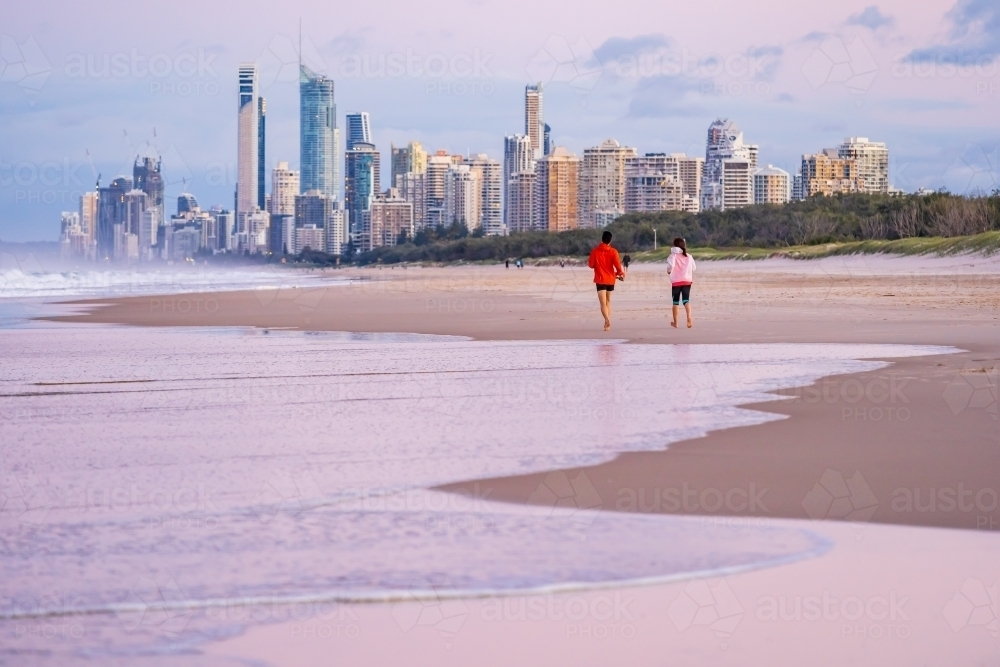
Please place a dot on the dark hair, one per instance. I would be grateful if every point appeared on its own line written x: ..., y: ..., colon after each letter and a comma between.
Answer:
x: 606, y: 237
x: 679, y: 243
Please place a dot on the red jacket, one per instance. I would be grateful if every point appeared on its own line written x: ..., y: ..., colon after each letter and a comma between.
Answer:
x: 605, y: 263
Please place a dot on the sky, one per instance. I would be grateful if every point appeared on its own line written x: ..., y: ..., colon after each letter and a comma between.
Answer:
x: 85, y: 88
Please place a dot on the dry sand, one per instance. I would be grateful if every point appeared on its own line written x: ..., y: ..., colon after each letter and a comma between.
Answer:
x: 911, y: 431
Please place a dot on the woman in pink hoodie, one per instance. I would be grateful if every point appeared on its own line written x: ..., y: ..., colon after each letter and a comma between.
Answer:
x: 680, y: 266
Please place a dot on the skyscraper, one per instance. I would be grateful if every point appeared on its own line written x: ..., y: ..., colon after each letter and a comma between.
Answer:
x: 490, y: 175
x: 517, y: 158
x: 362, y: 182
x: 319, y: 138
x: 261, y: 157
x: 313, y: 211
x: 556, y: 191
x: 437, y: 166
x: 737, y: 183
x: 725, y: 142
x: 648, y: 186
x: 521, y: 202
x: 602, y: 181
x: 413, y: 189
x: 411, y: 158
x: 359, y: 129
x: 146, y: 176
x: 248, y: 141
x: 88, y: 222
x: 284, y: 188
x: 110, y: 214
x: 462, y: 197
x: 534, y: 123
x: 548, y: 143
x: 388, y: 221
x: 136, y: 236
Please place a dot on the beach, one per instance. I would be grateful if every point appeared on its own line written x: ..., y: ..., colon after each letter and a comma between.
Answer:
x: 456, y: 464
x: 889, y: 424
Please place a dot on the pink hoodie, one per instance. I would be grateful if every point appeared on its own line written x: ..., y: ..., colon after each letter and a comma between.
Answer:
x: 680, y: 267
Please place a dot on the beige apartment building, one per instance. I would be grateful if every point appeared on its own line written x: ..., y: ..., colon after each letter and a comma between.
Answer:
x: 284, y: 189
x: 655, y: 182
x: 388, y: 218
x: 871, y: 159
x: 556, y: 191
x: 826, y: 173
x: 772, y: 185
x: 602, y: 181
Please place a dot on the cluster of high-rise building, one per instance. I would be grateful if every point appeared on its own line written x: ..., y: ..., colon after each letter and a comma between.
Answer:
x: 538, y: 186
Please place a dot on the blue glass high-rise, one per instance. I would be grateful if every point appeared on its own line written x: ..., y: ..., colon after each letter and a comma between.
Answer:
x: 319, y: 138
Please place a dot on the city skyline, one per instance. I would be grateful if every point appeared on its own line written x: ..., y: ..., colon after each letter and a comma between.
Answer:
x: 538, y: 186
x: 619, y: 84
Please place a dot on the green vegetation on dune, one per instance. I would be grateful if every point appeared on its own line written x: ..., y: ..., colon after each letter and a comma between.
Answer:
x: 987, y: 243
x: 939, y: 223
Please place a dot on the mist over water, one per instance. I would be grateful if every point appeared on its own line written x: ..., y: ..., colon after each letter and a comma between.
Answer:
x: 29, y: 281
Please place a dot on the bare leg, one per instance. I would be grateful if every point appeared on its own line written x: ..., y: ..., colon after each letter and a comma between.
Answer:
x: 687, y: 311
x: 603, y: 297
x: 676, y: 311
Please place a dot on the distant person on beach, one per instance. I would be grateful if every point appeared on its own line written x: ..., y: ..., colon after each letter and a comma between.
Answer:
x: 625, y: 261
x: 680, y: 266
x: 506, y: 263
x: 607, y: 268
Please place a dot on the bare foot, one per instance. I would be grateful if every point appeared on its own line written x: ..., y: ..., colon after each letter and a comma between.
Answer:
x: 690, y: 323
x: 673, y: 324
x: 607, y: 326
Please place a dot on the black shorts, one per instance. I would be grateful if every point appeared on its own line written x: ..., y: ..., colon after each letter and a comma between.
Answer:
x: 605, y: 288
x: 682, y: 294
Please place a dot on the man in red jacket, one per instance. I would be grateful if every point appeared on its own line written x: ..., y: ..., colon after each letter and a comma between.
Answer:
x: 607, y: 268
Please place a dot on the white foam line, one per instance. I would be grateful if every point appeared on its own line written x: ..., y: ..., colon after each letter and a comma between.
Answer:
x: 416, y: 595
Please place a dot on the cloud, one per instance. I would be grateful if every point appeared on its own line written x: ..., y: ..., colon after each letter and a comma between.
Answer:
x: 872, y: 18
x: 815, y: 36
x: 666, y: 97
x: 766, y: 60
x: 349, y: 41
x: 614, y: 48
x: 923, y: 105
x: 974, y: 35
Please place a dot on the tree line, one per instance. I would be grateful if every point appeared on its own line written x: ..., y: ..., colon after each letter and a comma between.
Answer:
x: 842, y: 218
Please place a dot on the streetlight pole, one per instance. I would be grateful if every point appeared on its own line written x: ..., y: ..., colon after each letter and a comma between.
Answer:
x: 654, y: 238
